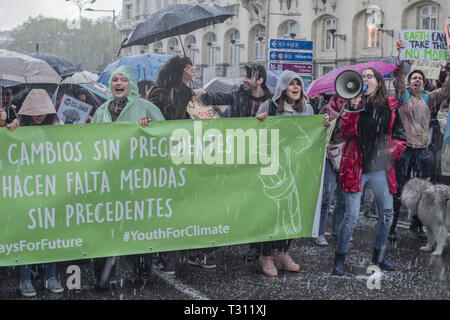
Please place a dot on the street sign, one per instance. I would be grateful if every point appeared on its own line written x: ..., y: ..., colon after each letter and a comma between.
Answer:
x: 293, y: 56
x: 291, y: 44
x: 295, y: 67
x: 306, y: 77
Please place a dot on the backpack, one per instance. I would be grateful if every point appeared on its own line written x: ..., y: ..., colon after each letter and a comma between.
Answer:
x: 406, y: 96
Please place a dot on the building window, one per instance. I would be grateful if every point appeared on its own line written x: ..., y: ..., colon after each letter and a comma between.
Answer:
x: 193, y: 51
x: 330, y: 24
x: 129, y: 12
x: 173, y: 46
x: 138, y: 7
x: 291, y: 30
x: 235, y: 50
x: 145, y: 6
x: 326, y: 69
x: 373, y: 23
x: 158, y: 4
x: 158, y: 47
x: 428, y: 17
x: 212, y: 50
x: 260, y: 42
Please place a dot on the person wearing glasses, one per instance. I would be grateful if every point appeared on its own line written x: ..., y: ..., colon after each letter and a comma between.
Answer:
x: 415, y: 111
x: 373, y: 137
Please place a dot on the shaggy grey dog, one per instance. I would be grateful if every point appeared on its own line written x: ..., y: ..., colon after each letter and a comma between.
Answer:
x: 431, y: 204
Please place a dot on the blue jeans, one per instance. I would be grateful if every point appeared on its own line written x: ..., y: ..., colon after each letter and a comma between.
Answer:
x: 25, y: 271
x: 384, y: 202
x: 329, y: 187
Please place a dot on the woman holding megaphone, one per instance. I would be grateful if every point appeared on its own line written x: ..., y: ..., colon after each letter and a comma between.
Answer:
x: 374, y: 137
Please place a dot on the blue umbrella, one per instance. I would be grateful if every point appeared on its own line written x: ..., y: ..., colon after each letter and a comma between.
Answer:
x: 145, y: 67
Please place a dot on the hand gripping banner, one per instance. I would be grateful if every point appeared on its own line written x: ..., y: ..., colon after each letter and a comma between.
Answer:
x: 84, y: 191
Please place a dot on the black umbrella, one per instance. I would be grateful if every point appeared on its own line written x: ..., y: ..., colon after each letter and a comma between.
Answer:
x: 64, y: 67
x: 175, y: 20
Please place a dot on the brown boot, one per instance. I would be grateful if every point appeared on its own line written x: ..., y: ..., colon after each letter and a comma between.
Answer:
x: 284, y: 260
x: 267, y: 266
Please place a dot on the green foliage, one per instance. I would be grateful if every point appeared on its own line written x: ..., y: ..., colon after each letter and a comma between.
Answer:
x: 91, y: 45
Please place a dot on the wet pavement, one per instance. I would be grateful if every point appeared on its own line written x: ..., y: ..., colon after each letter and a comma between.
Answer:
x: 418, y: 275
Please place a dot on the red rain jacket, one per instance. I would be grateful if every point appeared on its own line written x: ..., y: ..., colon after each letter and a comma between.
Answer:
x: 350, y: 172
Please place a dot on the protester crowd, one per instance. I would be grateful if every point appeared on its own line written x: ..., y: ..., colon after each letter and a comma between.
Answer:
x: 378, y: 141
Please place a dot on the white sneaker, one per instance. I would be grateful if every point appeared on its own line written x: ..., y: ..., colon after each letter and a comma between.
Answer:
x: 321, y: 241
x: 27, y: 289
x: 53, y: 285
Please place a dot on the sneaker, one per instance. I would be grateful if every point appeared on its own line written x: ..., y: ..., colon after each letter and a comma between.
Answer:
x: 201, y: 260
x: 53, y: 285
x: 321, y: 241
x: 166, y: 266
x: 267, y: 266
x: 284, y: 260
x: 369, y: 214
x: 27, y: 289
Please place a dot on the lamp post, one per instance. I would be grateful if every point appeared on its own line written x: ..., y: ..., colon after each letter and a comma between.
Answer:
x: 113, y: 21
x: 81, y: 3
x: 289, y: 14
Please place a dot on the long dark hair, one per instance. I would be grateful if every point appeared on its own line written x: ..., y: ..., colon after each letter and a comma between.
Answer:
x: 298, y: 106
x: 26, y: 121
x: 171, y: 74
x: 380, y: 98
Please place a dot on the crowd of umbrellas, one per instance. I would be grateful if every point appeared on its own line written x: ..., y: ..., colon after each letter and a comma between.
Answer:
x: 50, y: 71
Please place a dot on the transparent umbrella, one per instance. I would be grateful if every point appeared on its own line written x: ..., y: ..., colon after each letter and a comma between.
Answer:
x: 21, y: 68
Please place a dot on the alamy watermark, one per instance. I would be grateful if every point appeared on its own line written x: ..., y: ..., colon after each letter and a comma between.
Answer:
x: 236, y: 146
x: 74, y: 280
x: 374, y: 280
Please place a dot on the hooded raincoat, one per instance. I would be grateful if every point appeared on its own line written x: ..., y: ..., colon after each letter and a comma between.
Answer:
x: 38, y: 103
x: 285, y: 78
x: 136, y: 108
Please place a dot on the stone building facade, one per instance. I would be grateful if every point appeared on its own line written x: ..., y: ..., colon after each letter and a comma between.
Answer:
x: 344, y: 31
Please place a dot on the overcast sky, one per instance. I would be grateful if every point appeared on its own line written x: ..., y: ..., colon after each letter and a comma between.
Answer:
x: 15, y: 12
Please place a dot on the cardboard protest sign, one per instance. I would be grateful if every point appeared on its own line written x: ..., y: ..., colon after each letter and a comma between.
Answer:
x: 197, y: 110
x: 100, y: 190
x: 73, y: 111
x: 424, y: 45
x: 430, y: 69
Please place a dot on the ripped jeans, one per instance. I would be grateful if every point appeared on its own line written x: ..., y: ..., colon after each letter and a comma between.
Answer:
x: 384, y: 202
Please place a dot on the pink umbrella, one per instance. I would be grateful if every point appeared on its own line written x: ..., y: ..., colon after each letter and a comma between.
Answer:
x: 326, y: 83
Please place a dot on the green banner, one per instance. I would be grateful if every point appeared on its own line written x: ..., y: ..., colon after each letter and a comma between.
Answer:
x: 84, y: 191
